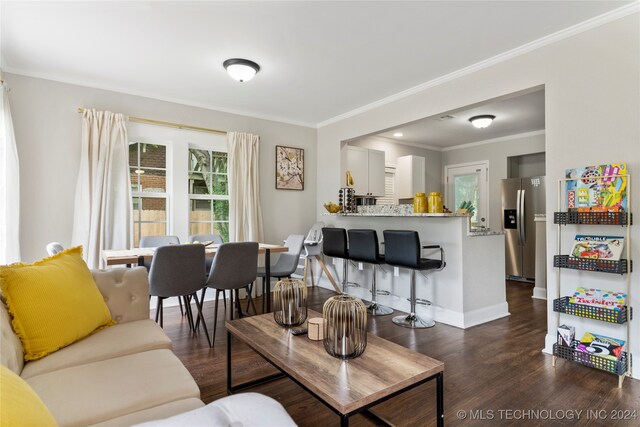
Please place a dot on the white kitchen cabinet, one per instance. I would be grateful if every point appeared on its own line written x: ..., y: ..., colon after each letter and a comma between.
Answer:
x: 367, y: 169
x: 410, y: 176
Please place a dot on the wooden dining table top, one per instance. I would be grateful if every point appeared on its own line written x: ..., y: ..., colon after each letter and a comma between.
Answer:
x: 131, y: 256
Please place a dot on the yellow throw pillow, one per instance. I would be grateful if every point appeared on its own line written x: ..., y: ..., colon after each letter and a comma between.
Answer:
x: 54, y: 302
x: 20, y: 405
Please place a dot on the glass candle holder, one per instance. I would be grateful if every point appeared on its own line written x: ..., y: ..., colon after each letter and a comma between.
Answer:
x: 345, y: 326
x: 290, y: 302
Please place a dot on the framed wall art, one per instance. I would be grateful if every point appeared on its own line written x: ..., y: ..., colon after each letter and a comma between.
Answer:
x: 289, y: 168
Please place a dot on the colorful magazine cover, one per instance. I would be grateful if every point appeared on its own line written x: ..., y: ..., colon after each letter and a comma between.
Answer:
x: 599, y: 298
x: 597, y: 188
x: 597, y: 247
x: 599, y: 345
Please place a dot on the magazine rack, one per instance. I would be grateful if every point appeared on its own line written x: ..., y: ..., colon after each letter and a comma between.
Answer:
x: 623, y: 366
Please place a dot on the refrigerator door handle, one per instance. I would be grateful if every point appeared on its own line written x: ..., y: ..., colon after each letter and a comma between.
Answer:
x: 523, y: 230
x: 518, y: 219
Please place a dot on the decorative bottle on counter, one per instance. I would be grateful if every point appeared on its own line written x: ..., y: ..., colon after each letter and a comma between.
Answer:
x: 434, y: 203
x: 420, y: 203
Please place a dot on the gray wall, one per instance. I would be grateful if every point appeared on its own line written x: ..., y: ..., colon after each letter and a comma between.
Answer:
x: 433, y: 159
x: 48, y: 132
x: 497, y: 153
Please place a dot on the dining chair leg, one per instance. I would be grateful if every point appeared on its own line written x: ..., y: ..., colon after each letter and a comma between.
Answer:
x: 231, y: 304
x: 238, y: 304
x: 188, y: 312
x: 160, y: 308
x: 201, y: 318
x: 204, y: 290
x: 224, y: 299
x: 157, y: 309
x: 180, y: 304
x: 250, y: 298
x: 212, y: 342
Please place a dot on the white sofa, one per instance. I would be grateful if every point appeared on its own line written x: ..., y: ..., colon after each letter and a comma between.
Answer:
x: 125, y: 374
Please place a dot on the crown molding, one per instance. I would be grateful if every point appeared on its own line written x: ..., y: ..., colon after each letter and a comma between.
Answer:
x: 127, y: 91
x: 494, y: 140
x: 589, y: 24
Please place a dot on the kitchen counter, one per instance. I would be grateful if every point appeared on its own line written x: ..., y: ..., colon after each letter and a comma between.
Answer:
x: 471, y: 232
x: 469, y: 291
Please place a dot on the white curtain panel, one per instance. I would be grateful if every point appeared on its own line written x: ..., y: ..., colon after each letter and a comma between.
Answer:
x: 102, y: 216
x: 245, y: 213
x: 9, y: 186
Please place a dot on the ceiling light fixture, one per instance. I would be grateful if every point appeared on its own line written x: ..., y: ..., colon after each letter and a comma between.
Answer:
x: 482, y: 121
x: 240, y: 69
x: 397, y: 134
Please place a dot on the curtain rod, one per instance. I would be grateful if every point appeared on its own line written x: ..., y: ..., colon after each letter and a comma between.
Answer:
x: 169, y: 124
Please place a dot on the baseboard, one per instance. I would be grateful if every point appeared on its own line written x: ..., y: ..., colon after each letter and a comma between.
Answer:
x: 486, y: 314
x: 539, y: 293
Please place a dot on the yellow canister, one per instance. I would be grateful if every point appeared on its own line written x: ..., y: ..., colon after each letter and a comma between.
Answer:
x: 420, y: 203
x: 434, y: 202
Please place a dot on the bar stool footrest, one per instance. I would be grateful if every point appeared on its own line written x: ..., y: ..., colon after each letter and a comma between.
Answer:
x: 421, y: 301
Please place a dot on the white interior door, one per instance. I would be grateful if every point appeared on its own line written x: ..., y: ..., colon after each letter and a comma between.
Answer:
x: 469, y: 182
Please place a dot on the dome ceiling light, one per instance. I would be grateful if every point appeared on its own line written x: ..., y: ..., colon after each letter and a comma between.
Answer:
x: 482, y: 121
x: 240, y: 69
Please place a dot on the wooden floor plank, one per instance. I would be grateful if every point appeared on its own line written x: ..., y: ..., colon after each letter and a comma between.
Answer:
x: 496, y: 369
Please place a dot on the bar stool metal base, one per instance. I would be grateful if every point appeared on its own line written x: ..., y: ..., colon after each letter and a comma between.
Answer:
x: 376, y: 309
x: 412, y: 321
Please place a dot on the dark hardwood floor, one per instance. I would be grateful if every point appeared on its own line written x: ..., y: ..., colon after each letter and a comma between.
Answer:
x: 495, y: 374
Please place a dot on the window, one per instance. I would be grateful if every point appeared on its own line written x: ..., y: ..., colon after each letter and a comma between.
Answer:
x: 208, y: 192
x: 148, y: 170
x: 468, y: 183
x: 389, y: 187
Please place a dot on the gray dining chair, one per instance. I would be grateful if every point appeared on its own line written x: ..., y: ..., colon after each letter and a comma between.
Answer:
x: 178, y: 271
x: 234, y: 267
x: 156, y: 242
x: 285, y: 266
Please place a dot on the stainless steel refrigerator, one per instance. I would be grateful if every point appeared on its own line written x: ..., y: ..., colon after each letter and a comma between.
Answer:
x: 522, y: 199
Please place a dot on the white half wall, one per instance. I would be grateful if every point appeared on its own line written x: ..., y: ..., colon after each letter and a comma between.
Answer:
x: 48, y: 132
x: 591, y: 117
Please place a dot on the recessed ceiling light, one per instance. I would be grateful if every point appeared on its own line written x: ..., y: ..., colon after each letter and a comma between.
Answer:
x: 240, y: 69
x: 482, y: 121
x: 397, y: 134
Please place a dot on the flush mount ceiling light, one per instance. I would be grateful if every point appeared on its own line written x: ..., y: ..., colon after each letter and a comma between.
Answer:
x: 240, y: 69
x: 397, y: 134
x: 482, y: 121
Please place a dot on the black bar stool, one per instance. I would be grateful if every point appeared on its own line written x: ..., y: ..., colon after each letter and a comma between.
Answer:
x: 363, y: 247
x: 334, y: 244
x: 402, y: 249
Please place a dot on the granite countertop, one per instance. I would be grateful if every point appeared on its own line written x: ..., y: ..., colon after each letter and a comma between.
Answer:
x: 484, y: 233
x: 400, y: 214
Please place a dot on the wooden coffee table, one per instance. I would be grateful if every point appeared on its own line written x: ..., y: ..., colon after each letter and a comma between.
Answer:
x: 383, y: 371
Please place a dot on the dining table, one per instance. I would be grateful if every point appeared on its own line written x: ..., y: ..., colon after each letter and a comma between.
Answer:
x: 138, y: 256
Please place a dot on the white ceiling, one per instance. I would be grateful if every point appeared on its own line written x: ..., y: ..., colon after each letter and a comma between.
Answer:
x: 319, y: 59
x: 515, y: 114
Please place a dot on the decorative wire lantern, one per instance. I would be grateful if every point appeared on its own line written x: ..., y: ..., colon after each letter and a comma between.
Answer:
x: 290, y: 302
x: 345, y: 326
